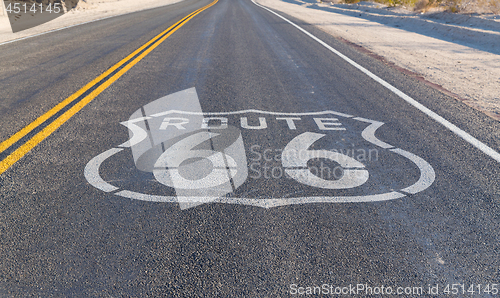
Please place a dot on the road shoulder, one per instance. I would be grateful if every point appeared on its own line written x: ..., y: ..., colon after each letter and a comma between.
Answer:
x: 468, y: 70
x: 86, y: 11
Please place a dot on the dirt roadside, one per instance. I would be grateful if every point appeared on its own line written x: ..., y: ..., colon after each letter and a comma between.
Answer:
x: 457, y: 53
x: 86, y: 10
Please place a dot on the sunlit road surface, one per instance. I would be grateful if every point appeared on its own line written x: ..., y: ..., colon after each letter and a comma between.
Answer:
x: 220, y: 149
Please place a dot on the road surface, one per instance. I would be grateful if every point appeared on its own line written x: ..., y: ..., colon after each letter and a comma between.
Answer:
x: 383, y: 195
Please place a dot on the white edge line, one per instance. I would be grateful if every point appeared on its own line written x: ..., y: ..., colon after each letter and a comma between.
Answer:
x: 88, y: 22
x: 459, y: 132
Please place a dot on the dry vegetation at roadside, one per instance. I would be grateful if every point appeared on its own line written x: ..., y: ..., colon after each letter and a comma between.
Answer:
x: 461, y: 6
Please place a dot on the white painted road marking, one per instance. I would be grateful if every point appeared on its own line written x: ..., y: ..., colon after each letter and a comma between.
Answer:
x: 459, y: 132
x: 296, y: 155
x: 91, y: 171
x: 179, y: 155
x: 427, y: 174
x: 369, y: 133
x: 263, y: 203
x: 138, y: 133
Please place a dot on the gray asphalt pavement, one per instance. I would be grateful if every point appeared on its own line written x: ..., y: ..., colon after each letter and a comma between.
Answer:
x: 421, y: 209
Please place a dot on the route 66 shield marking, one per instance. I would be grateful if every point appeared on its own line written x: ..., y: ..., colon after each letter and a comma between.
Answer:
x: 258, y: 158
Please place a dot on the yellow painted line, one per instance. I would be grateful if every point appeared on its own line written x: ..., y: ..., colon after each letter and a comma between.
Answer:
x: 16, y: 137
x: 35, y: 140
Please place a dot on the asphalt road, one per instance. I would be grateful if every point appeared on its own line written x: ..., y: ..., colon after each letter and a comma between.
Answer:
x: 65, y: 236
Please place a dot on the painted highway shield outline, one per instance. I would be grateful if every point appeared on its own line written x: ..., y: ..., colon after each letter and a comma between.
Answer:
x: 138, y: 134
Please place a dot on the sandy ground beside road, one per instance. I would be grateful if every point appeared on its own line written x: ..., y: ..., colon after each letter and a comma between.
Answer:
x: 460, y: 53
x: 85, y: 11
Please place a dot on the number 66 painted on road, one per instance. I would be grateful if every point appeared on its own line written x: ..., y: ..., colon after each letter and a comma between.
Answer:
x: 294, y: 159
x: 296, y: 155
x: 224, y: 166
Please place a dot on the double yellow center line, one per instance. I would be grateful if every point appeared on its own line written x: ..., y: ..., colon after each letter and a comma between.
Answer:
x: 14, y: 148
